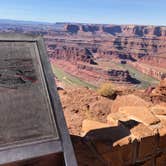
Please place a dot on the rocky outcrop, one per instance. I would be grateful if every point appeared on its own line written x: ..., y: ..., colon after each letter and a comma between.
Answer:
x: 72, y: 54
x: 114, y: 75
x: 131, y: 136
x: 126, y: 131
x: 144, y: 31
x: 150, y: 70
x: 128, y: 100
x: 158, y: 110
x: 112, y: 29
x: 90, y: 28
x: 132, y: 48
x: 159, y: 93
x: 121, y: 76
x: 154, y: 60
x: 81, y: 103
x: 72, y: 28
x: 138, y: 114
x: 88, y: 125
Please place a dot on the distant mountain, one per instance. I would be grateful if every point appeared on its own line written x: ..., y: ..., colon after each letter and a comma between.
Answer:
x: 9, y: 21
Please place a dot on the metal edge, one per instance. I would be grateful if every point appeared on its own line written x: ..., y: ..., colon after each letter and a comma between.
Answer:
x: 68, y: 150
x: 6, y: 36
x: 29, y: 152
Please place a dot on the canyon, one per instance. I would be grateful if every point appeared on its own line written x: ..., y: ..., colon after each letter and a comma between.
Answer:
x: 141, y: 47
x: 97, y: 53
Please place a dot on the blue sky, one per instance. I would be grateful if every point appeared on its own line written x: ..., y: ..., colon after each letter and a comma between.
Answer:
x: 150, y: 12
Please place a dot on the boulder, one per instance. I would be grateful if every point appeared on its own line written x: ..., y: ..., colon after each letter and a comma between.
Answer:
x: 114, y: 118
x: 141, y: 131
x: 103, y: 132
x: 99, y: 110
x: 140, y: 114
x: 88, y: 125
x: 158, y: 110
x: 128, y: 100
x: 159, y: 93
x: 163, y: 83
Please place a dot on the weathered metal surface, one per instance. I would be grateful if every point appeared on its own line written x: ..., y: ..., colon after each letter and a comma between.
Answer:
x: 25, y: 109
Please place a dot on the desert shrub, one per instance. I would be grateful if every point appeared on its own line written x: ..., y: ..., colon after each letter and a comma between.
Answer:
x: 107, y: 90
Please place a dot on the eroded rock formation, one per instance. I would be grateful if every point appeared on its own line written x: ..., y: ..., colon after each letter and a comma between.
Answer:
x: 140, y: 45
x: 159, y: 93
x: 126, y: 131
x: 129, y: 30
x: 72, y: 54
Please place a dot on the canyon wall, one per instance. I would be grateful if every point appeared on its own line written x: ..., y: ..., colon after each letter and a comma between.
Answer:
x: 150, y: 70
x: 113, y: 75
x: 72, y: 54
x: 125, y: 30
x: 154, y: 60
x: 130, y: 42
x: 144, y: 45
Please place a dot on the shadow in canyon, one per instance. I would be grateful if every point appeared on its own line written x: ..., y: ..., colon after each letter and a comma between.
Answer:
x: 88, y: 149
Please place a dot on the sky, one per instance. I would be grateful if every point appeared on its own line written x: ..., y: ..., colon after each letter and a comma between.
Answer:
x: 144, y: 12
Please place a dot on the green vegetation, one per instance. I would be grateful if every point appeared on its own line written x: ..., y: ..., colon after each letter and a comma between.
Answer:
x: 143, y: 78
x: 68, y: 79
x: 107, y: 90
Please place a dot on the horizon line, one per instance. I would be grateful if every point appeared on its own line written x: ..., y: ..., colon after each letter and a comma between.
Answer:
x: 68, y: 22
